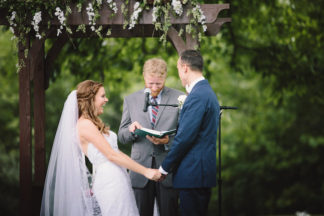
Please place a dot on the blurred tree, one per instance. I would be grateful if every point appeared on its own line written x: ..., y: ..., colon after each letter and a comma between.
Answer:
x: 273, y: 161
x: 9, y: 124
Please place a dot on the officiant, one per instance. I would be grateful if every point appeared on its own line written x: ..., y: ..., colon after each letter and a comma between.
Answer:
x: 151, y: 151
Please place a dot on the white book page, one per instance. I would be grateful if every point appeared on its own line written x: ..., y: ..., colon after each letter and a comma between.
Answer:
x: 152, y: 131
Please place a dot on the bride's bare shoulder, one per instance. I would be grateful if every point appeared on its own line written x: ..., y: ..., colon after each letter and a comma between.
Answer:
x: 84, y: 124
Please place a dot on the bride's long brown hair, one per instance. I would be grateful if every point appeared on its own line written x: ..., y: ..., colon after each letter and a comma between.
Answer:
x: 86, y: 92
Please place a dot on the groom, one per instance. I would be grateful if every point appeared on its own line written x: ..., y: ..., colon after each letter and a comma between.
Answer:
x: 192, y: 158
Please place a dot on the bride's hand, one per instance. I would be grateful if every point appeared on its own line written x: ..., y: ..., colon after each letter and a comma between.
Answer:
x: 153, y: 174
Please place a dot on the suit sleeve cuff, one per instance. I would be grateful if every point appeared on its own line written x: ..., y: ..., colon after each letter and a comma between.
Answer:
x: 134, y: 136
x: 163, y: 171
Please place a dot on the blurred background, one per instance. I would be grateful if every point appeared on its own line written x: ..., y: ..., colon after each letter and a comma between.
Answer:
x: 269, y: 62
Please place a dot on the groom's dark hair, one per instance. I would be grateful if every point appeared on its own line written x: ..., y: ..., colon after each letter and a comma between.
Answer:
x: 193, y: 59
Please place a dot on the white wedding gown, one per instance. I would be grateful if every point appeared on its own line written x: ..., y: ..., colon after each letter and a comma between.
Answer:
x: 111, y: 183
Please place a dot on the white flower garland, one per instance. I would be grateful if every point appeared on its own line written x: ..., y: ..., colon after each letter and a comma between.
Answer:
x: 12, y: 24
x: 159, y: 11
x: 91, y: 16
x: 135, y: 15
x: 112, y: 5
x: 177, y: 7
x: 155, y: 14
x: 36, y: 20
x: 199, y: 16
x: 60, y: 16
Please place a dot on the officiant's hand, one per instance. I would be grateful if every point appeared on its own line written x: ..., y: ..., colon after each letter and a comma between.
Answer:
x: 158, y: 141
x: 135, y: 125
x: 153, y: 174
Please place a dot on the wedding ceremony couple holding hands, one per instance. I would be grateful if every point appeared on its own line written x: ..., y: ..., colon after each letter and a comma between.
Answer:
x: 167, y: 169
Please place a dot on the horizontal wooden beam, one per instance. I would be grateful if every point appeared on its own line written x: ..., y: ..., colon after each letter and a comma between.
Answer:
x: 214, y: 28
x: 140, y: 30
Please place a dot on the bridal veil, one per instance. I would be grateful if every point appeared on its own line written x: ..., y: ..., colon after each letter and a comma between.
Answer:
x: 66, y: 190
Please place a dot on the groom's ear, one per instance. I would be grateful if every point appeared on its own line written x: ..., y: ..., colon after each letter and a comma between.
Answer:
x: 186, y: 68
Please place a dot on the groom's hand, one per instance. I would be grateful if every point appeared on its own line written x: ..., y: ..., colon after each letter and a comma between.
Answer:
x: 162, y: 177
x: 158, y: 141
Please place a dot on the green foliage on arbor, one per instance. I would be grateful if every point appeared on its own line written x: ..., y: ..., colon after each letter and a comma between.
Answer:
x: 268, y: 62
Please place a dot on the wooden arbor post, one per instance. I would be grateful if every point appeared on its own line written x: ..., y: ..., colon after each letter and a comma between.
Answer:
x: 34, y: 80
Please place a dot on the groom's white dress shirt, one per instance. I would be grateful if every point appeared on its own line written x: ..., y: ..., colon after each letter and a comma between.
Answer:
x: 192, y: 84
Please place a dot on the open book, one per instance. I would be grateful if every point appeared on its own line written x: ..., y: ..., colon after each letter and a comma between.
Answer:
x: 144, y: 131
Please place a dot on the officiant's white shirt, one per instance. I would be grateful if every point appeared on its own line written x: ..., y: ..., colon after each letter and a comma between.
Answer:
x: 158, y: 100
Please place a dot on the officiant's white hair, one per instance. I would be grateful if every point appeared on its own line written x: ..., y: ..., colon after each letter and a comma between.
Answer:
x: 155, y: 66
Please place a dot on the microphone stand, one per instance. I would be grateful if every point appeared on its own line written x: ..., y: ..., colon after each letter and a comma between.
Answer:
x: 156, y: 104
x: 220, y: 159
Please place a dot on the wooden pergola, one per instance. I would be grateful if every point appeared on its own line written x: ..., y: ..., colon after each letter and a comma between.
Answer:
x: 37, y: 69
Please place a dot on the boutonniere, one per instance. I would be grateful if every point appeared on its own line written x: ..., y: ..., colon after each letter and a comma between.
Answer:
x: 181, y: 100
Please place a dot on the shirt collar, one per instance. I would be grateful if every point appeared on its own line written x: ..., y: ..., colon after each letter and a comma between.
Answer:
x: 192, y: 84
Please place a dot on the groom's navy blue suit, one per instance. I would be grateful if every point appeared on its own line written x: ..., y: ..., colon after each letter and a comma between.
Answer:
x: 192, y: 157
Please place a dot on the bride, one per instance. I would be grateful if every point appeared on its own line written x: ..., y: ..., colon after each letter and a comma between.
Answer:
x: 69, y: 188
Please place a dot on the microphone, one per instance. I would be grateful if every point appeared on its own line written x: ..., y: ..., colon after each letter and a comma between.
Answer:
x: 147, y: 93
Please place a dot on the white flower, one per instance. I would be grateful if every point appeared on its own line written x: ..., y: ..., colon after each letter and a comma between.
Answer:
x: 112, y: 5
x: 36, y: 20
x: 155, y: 14
x: 135, y: 15
x: 204, y: 28
x: 59, y: 32
x: 104, y: 43
x: 12, y: 23
x: 39, y: 36
x: 181, y: 100
x: 199, y: 16
x: 91, y: 16
x: 60, y: 16
x: 177, y: 7
x: 136, y: 5
x: 13, y: 15
x: 12, y: 30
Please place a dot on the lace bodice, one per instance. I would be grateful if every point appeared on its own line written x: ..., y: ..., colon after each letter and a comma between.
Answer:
x: 95, y: 156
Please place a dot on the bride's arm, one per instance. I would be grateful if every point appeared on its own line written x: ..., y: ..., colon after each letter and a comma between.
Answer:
x: 89, y: 132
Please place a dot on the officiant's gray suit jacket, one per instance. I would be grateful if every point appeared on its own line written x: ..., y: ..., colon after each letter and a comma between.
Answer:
x: 142, y: 149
